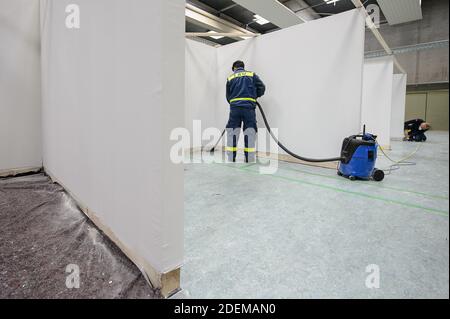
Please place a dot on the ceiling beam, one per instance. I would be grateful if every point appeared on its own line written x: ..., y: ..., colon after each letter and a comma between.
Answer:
x: 302, y: 9
x: 205, y: 41
x: 209, y: 21
x: 219, y: 34
x: 221, y: 13
x: 377, y: 34
x: 410, y: 48
x: 273, y: 11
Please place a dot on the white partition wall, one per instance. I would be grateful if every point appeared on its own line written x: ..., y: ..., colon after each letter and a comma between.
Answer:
x: 20, y: 87
x: 377, y: 98
x: 111, y: 97
x: 399, y: 82
x: 201, y: 86
x: 313, y: 87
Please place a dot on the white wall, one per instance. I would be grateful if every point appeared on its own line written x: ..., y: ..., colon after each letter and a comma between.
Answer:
x: 111, y: 96
x: 313, y: 87
x: 20, y: 86
x: 399, y: 82
x: 377, y: 98
x: 201, y: 86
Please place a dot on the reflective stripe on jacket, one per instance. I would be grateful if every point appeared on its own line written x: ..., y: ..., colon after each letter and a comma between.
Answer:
x: 243, y: 88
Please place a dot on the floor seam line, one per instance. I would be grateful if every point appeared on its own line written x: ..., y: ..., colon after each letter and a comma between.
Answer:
x: 430, y: 210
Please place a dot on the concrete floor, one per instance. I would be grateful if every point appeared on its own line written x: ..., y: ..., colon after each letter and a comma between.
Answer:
x: 307, y: 233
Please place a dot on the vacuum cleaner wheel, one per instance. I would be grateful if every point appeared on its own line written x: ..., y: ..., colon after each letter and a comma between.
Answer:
x: 378, y: 175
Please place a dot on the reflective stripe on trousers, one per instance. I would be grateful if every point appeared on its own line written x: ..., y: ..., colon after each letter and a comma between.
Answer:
x: 250, y: 143
x: 247, y: 117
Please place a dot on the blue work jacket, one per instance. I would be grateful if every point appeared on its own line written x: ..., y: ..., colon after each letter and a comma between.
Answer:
x: 243, y: 88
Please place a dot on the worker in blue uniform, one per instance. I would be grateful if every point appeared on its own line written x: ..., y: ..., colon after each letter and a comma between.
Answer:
x: 415, y: 130
x: 243, y: 88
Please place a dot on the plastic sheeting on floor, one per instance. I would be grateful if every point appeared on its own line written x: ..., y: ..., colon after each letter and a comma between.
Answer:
x: 42, y: 232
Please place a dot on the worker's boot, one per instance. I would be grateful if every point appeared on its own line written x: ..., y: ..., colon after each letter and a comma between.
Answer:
x: 250, y: 156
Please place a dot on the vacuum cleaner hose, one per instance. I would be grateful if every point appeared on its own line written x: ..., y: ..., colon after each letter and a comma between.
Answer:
x: 311, y: 160
x: 218, y: 141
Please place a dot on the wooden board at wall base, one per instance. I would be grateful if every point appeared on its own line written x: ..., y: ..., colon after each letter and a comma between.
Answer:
x: 166, y: 283
x: 170, y: 283
x: 17, y: 171
x: 283, y: 158
x: 290, y: 159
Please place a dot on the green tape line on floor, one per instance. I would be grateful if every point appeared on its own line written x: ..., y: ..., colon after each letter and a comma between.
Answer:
x: 340, y: 190
x: 367, y: 184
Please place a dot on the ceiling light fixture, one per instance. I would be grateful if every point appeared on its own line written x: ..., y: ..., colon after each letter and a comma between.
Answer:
x: 215, y: 37
x: 331, y: 1
x: 260, y: 20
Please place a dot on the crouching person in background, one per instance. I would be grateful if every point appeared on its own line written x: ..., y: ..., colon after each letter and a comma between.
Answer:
x: 415, y: 130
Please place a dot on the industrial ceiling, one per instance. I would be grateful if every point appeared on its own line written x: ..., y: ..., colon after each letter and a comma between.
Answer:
x: 238, y: 16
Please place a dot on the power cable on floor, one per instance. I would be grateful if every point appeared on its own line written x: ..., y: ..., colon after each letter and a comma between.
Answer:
x: 399, y: 163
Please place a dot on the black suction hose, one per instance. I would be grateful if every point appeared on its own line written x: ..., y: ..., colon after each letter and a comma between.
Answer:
x: 218, y: 141
x: 305, y: 159
x: 311, y: 160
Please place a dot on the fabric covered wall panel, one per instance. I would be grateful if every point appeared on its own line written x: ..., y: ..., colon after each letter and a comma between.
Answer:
x: 110, y: 102
x: 377, y: 98
x: 313, y: 87
x: 398, y: 105
x: 201, y: 86
x: 20, y: 86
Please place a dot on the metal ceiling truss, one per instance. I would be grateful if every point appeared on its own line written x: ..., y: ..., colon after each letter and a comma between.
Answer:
x: 410, y: 49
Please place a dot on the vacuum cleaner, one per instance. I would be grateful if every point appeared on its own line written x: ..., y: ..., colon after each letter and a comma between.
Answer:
x: 358, y: 154
x: 358, y: 158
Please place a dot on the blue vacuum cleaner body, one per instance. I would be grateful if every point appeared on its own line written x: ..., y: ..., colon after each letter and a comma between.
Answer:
x: 359, y: 156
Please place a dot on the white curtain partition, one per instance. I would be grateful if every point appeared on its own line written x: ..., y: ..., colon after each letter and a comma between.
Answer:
x: 110, y: 102
x: 399, y: 83
x: 20, y: 86
x: 313, y: 87
x: 377, y: 98
x: 201, y: 87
